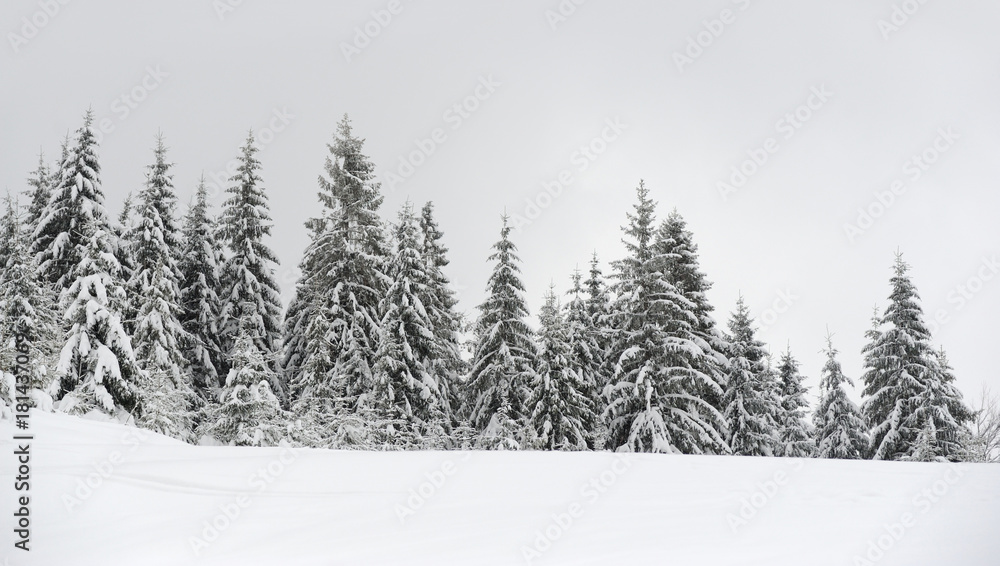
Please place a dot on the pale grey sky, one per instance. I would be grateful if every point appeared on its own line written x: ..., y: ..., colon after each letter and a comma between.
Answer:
x: 836, y: 102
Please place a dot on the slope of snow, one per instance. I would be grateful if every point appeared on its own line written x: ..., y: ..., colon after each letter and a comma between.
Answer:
x: 153, y: 500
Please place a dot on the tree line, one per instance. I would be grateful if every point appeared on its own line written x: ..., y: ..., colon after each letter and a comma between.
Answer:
x: 176, y: 324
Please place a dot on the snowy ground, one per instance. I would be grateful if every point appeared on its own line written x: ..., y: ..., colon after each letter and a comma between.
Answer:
x: 152, y: 500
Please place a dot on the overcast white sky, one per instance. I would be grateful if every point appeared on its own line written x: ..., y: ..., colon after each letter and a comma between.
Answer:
x: 206, y: 74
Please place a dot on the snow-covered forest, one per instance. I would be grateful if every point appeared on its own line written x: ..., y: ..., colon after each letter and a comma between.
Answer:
x: 174, y: 323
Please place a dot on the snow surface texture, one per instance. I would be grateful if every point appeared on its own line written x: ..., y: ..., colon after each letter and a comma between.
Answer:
x: 315, y: 507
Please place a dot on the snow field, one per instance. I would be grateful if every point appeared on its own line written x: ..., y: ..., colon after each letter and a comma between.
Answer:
x: 106, y: 494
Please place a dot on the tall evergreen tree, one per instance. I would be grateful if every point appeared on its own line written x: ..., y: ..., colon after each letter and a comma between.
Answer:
x: 562, y: 402
x: 598, y: 305
x: 585, y: 344
x: 794, y: 437
x: 656, y: 399
x: 76, y: 206
x: 675, y: 245
x: 404, y: 385
x: 153, y: 285
x: 439, y: 300
x: 250, y: 290
x: 752, y: 407
x: 505, y: 359
x: 902, y: 376
x: 344, y: 279
x: 199, y: 298
x: 27, y: 313
x: 840, y: 430
x: 97, y: 366
x: 41, y: 183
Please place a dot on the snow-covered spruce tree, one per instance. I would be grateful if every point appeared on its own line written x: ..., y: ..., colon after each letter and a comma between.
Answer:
x: 153, y: 285
x: 752, y: 405
x: 404, y: 385
x: 123, y: 250
x: 794, y: 438
x: 76, y: 205
x: 598, y: 305
x: 840, y: 430
x: 344, y: 277
x: 169, y: 398
x: 250, y: 291
x: 199, y: 297
x: 900, y: 366
x: 941, y: 415
x: 562, y: 400
x: 154, y: 238
x: 97, y: 367
x: 675, y: 244
x: 249, y: 414
x: 27, y: 316
x: 505, y: 359
x: 585, y: 342
x: 656, y: 398
x: 439, y: 300
x: 41, y: 183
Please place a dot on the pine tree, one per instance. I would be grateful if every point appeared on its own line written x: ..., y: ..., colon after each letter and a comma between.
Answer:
x: 675, y: 244
x: 404, y: 386
x: 656, y: 399
x: 27, y: 315
x: 942, y: 413
x: 41, y: 182
x: 97, y: 366
x: 585, y: 343
x: 249, y: 413
x: 199, y: 296
x: 123, y: 248
x: 562, y: 402
x: 840, y: 430
x: 250, y: 290
x: 795, y: 439
x: 598, y: 305
x: 439, y: 300
x: 900, y: 368
x: 752, y: 406
x: 76, y: 205
x: 154, y: 281
x: 344, y: 279
x: 505, y: 359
